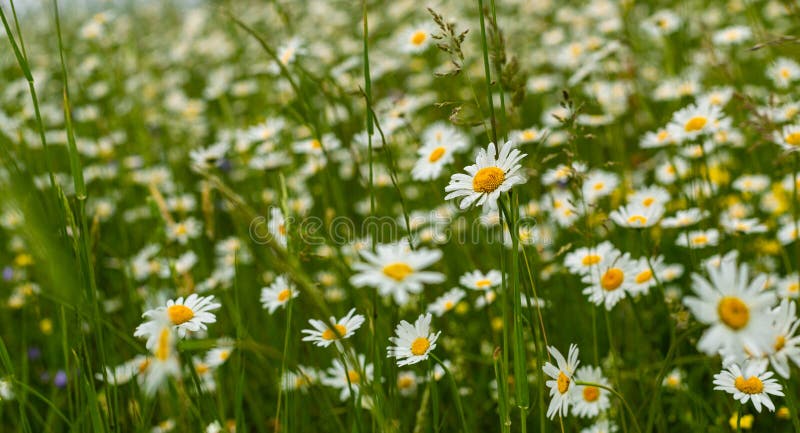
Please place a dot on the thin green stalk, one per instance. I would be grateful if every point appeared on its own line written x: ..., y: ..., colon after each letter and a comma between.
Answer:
x: 434, y: 395
x: 456, y: 394
x: 487, y: 71
x: 739, y: 419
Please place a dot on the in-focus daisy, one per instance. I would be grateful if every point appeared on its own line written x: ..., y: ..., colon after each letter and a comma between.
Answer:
x: 609, y: 283
x: 446, y: 302
x: 736, y: 308
x: 491, y: 175
x: 637, y: 215
x: 749, y: 382
x: 184, y: 315
x: 562, y: 383
x: 278, y: 294
x: 414, y: 342
x: 324, y: 334
x: 397, y: 271
x: 589, y: 401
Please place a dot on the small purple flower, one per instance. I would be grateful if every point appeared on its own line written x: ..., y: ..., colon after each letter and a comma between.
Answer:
x: 34, y: 353
x: 61, y: 379
x: 8, y: 273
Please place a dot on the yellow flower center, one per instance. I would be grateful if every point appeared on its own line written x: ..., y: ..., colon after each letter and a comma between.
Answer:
x: 637, y: 219
x: 733, y: 312
x: 488, y: 179
x: 397, y: 271
x: 700, y: 240
x: 662, y: 135
x: 418, y: 37
x: 612, y: 279
x: 179, y: 314
x: 420, y: 346
x: 591, y: 393
x: 315, y: 144
x: 353, y: 376
x: 223, y: 355
x: 785, y: 72
x: 143, y: 365
x: 529, y: 135
x: 448, y: 305
x: 591, y: 259
x: 695, y: 124
x: 436, y: 154
x: 483, y: 283
x: 598, y: 186
x: 201, y: 368
x: 793, y: 288
x: 751, y: 385
x: 563, y: 382
x: 405, y: 382
x: 162, y: 349
x: 284, y: 295
x: 644, y: 276
x: 780, y: 342
x: 330, y: 335
x: 181, y: 230
x: 793, y: 138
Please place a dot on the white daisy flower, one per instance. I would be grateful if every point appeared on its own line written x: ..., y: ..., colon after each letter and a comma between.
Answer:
x: 278, y: 294
x: 749, y: 382
x: 693, y: 121
x: 491, y: 175
x: 674, y: 379
x: 645, y: 275
x: 209, y: 157
x: 684, y: 218
x: 562, y: 384
x: 603, y: 426
x: 583, y: 260
x: 736, y: 308
x: 277, y: 226
x: 414, y: 342
x: 752, y: 183
x: 787, y: 233
x: 698, y: 238
x: 397, y: 271
x: 783, y: 72
x: 661, y: 23
x: 301, y: 379
x: 220, y: 354
x: 184, y: 315
x: 732, y: 35
x: 432, y: 158
x: 164, y: 363
x: 789, y: 138
x: 348, y: 376
x: 416, y: 39
x: 589, y: 401
x: 598, y: 184
x: 324, y: 334
x: 407, y: 382
x: 609, y: 283
x: 786, y: 346
x: 446, y: 302
x: 477, y: 280
x: 650, y: 196
x: 183, y: 231
x: 636, y: 215
x: 788, y: 287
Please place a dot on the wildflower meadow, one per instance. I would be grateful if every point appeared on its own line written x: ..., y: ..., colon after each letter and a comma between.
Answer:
x: 367, y: 216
